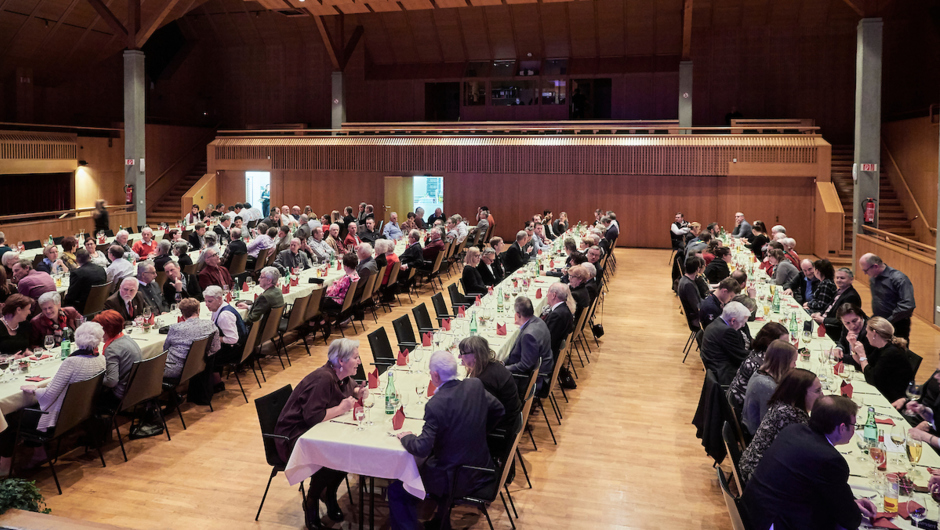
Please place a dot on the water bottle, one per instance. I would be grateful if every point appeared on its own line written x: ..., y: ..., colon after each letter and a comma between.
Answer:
x: 391, y: 397
x: 66, y: 348
x: 473, y: 324
x: 499, y: 301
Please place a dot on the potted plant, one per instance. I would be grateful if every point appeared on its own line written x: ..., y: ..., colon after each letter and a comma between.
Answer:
x: 22, y: 495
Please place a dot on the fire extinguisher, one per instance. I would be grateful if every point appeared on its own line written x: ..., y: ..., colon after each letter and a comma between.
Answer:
x: 869, y: 205
x: 128, y: 194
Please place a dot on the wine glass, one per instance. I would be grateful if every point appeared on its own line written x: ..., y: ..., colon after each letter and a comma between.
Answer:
x: 878, y: 456
x: 368, y: 403
x: 418, y: 355
x: 147, y: 314
x: 898, y: 437
x: 49, y: 342
x: 4, y: 364
x: 359, y: 415
x: 917, y: 508
x: 862, y: 444
x: 420, y: 389
x: 914, y: 391
x: 914, y: 449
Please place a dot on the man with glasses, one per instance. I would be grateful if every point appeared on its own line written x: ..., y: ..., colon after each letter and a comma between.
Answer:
x: 892, y: 294
x: 804, y: 459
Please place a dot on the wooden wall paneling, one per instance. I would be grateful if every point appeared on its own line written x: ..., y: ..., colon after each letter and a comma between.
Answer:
x: 450, y: 34
x: 425, y: 34
x: 499, y: 31
x: 30, y: 230
x: 583, y: 29
x: 555, y: 29
x: 921, y: 270
x: 103, y: 177
x: 669, y: 27
x: 475, y: 36
x: 168, y: 145
x: 913, y: 144
x: 204, y: 191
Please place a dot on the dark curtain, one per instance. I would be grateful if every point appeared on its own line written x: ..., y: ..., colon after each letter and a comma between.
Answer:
x: 36, y: 192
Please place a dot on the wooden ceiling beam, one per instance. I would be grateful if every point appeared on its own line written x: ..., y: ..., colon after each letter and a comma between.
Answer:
x: 108, y: 17
x: 16, y: 33
x: 133, y: 23
x: 687, y: 30
x: 156, y: 22
x: 855, y: 7
x: 55, y: 27
x: 327, y: 40
x: 351, y: 45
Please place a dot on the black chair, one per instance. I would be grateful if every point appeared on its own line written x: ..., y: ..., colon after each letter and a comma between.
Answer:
x: 381, y: 350
x: 251, y: 342
x: 269, y: 408
x: 78, y: 406
x: 733, y: 503
x: 482, y: 496
x: 144, y: 385
x: 915, y: 360
x: 194, y: 365
x: 440, y: 307
x: 423, y: 318
x: 109, y: 233
x: 457, y: 300
x: 405, y: 333
x: 734, y: 451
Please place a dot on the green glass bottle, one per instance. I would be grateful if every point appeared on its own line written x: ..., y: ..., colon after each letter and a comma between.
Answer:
x: 775, y: 307
x: 473, y: 324
x: 391, y: 397
x: 871, y: 428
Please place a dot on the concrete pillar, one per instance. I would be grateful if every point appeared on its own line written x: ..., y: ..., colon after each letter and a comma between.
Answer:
x: 338, y: 115
x: 867, y: 122
x: 685, y: 94
x: 134, y: 126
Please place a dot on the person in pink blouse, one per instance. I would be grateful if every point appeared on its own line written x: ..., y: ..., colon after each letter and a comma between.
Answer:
x: 336, y: 293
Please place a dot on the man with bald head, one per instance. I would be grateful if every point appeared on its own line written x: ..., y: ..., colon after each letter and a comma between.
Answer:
x: 802, y: 287
x: 292, y: 258
x: 741, y: 227
x: 892, y: 294
x: 127, y: 300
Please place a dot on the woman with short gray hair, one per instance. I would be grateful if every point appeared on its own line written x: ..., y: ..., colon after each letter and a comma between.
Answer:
x: 326, y: 393
x: 163, y: 254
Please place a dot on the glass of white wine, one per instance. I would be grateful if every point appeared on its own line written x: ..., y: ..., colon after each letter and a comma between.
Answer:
x: 914, y: 448
x: 49, y: 342
x: 898, y: 437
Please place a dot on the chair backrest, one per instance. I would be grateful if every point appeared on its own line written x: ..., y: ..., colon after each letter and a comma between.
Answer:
x: 269, y: 408
x: 350, y: 296
x: 366, y: 293
x: 422, y: 317
x: 313, y: 306
x: 915, y: 360
x: 261, y: 260
x: 78, y: 404
x: 298, y: 312
x: 436, y: 268
x: 33, y: 244
x: 97, y: 297
x: 579, y: 324
x: 737, y: 522
x: 506, y: 459
x: 161, y: 278
x: 558, y: 364
x: 378, y: 281
x: 58, y: 240
x: 393, y: 276
x: 37, y: 259
x: 195, y: 359
x: 403, y: 330
x: 251, y: 341
x: 237, y: 265
x: 381, y: 347
x: 145, y: 381
x: 271, y: 322
x: 734, y: 451
x: 191, y: 268
x: 455, y: 297
x: 440, y: 306
x: 528, y: 394
x: 272, y: 255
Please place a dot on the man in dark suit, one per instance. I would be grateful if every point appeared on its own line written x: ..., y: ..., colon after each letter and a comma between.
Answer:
x: 179, y: 285
x: 235, y: 247
x: 269, y: 299
x: 222, y: 229
x: 723, y: 348
x: 516, y: 256
x: 196, y: 240
x: 367, y: 266
x: 845, y: 294
x: 711, y: 307
x: 456, y: 421
x: 127, y: 301
x: 802, y: 480
x: 82, y: 279
x: 292, y: 258
x: 488, y: 268
x: 559, y: 320
x: 150, y: 289
x: 412, y: 256
x: 533, y: 347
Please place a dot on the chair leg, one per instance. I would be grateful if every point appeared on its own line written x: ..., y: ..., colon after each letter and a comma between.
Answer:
x: 118, y: 431
x: 98, y: 448
x: 547, y: 422
x: 490, y: 522
x: 524, y: 470
x: 564, y: 394
x: 55, y: 477
x: 571, y: 365
x: 166, y: 429
x: 260, y: 368
x: 265, y: 496
x: 178, y: 411
x: 558, y: 415
x: 511, y: 503
x: 240, y: 387
x: 531, y: 437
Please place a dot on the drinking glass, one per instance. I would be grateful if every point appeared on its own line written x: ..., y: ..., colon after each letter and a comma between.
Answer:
x: 917, y: 508
x: 420, y: 389
x: 4, y: 364
x: 368, y: 403
x: 914, y: 391
x: 48, y: 342
x: 862, y: 444
x: 877, y: 455
x: 147, y: 313
x: 359, y: 415
x: 914, y: 449
x: 807, y: 337
x: 418, y: 357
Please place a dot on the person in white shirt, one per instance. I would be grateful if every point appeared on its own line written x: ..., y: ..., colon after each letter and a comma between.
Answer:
x: 319, y: 248
x: 462, y: 229
x: 539, y: 239
x: 225, y: 317
x: 256, y: 214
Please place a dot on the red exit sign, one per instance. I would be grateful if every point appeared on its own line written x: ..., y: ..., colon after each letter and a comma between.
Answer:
x: 869, y: 167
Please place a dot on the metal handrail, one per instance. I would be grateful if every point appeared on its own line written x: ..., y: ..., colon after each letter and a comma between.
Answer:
x: 895, y: 239
x: 57, y: 213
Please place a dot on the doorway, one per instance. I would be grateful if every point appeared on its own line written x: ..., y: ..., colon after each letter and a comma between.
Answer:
x: 590, y: 99
x: 398, y: 197
x: 258, y: 190
x: 428, y: 193
x: 441, y: 101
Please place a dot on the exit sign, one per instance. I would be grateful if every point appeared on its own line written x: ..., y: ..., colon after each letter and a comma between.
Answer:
x: 869, y: 167
x: 128, y: 161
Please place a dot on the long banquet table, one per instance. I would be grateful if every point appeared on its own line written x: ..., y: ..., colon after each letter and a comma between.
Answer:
x: 864, y: 395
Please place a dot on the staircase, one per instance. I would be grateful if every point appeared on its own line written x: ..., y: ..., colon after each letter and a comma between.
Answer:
x: 892, y: 217
x: 169, y: 208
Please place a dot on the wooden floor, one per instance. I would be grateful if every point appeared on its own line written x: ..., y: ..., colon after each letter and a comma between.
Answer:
x: 627, y: 454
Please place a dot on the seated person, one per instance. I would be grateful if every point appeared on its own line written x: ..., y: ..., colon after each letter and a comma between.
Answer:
x: 51, y: 264
x: 292, y: 258
x: 784, y: 272
x: 197, y: 237
x: 69, y: 244
x: 790, y: 403
x: 81, y: 280
x: 162, y: 255
x: 146, y: 245
x: 433, y: 245
x: 213, y: 273
x: 127, y: 301
x: 723, y: 348
x: 887, y: 368
x: 712, y: 306
x: 718, y: 269
x: 471, y: 279
x: 15, y: 333
x: 120, y: 354
x: 326, y: 393
x: 53, y: 320
x: 413, y: 256
x: 456, y: 421
x: 335, y: 294
x: 769, y: 333
x: 232, y: 328
x: 178, y: 285
x: 489, y: 270
x: 150, y: 289
x: 516, y: 257
x: 352, y: 241
x: 805, y: 459
x: 368, y: 233
x: 409, y: 223
x: 181, y: 251
x: 178, y: 341
x: 119, y: 268
x: 779, y: 360
x: 97, y: 257
x: 270, y: 297
x: 235, y: 247
x: 477, y: 357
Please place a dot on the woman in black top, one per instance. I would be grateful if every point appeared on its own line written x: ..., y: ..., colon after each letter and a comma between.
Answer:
x: 102, y: 224
x: 471, y: 279
x: 887, y: 367
x: 718, y: 269
x: 6, y: 288
x: 14, y: 331
x: 181, y: 250
x: 760, y: 239
x: 476, y: 356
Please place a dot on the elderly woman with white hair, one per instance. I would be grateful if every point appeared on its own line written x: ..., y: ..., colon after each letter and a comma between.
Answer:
x: 162, y: 255
x: 326, y: 393
x: 53, y: 320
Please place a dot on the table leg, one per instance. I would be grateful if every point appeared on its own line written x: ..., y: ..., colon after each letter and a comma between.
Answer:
x: 371, y: 503
x: 361, y: 502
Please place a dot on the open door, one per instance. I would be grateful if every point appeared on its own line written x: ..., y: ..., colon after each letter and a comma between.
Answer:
x: 398, y: 197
